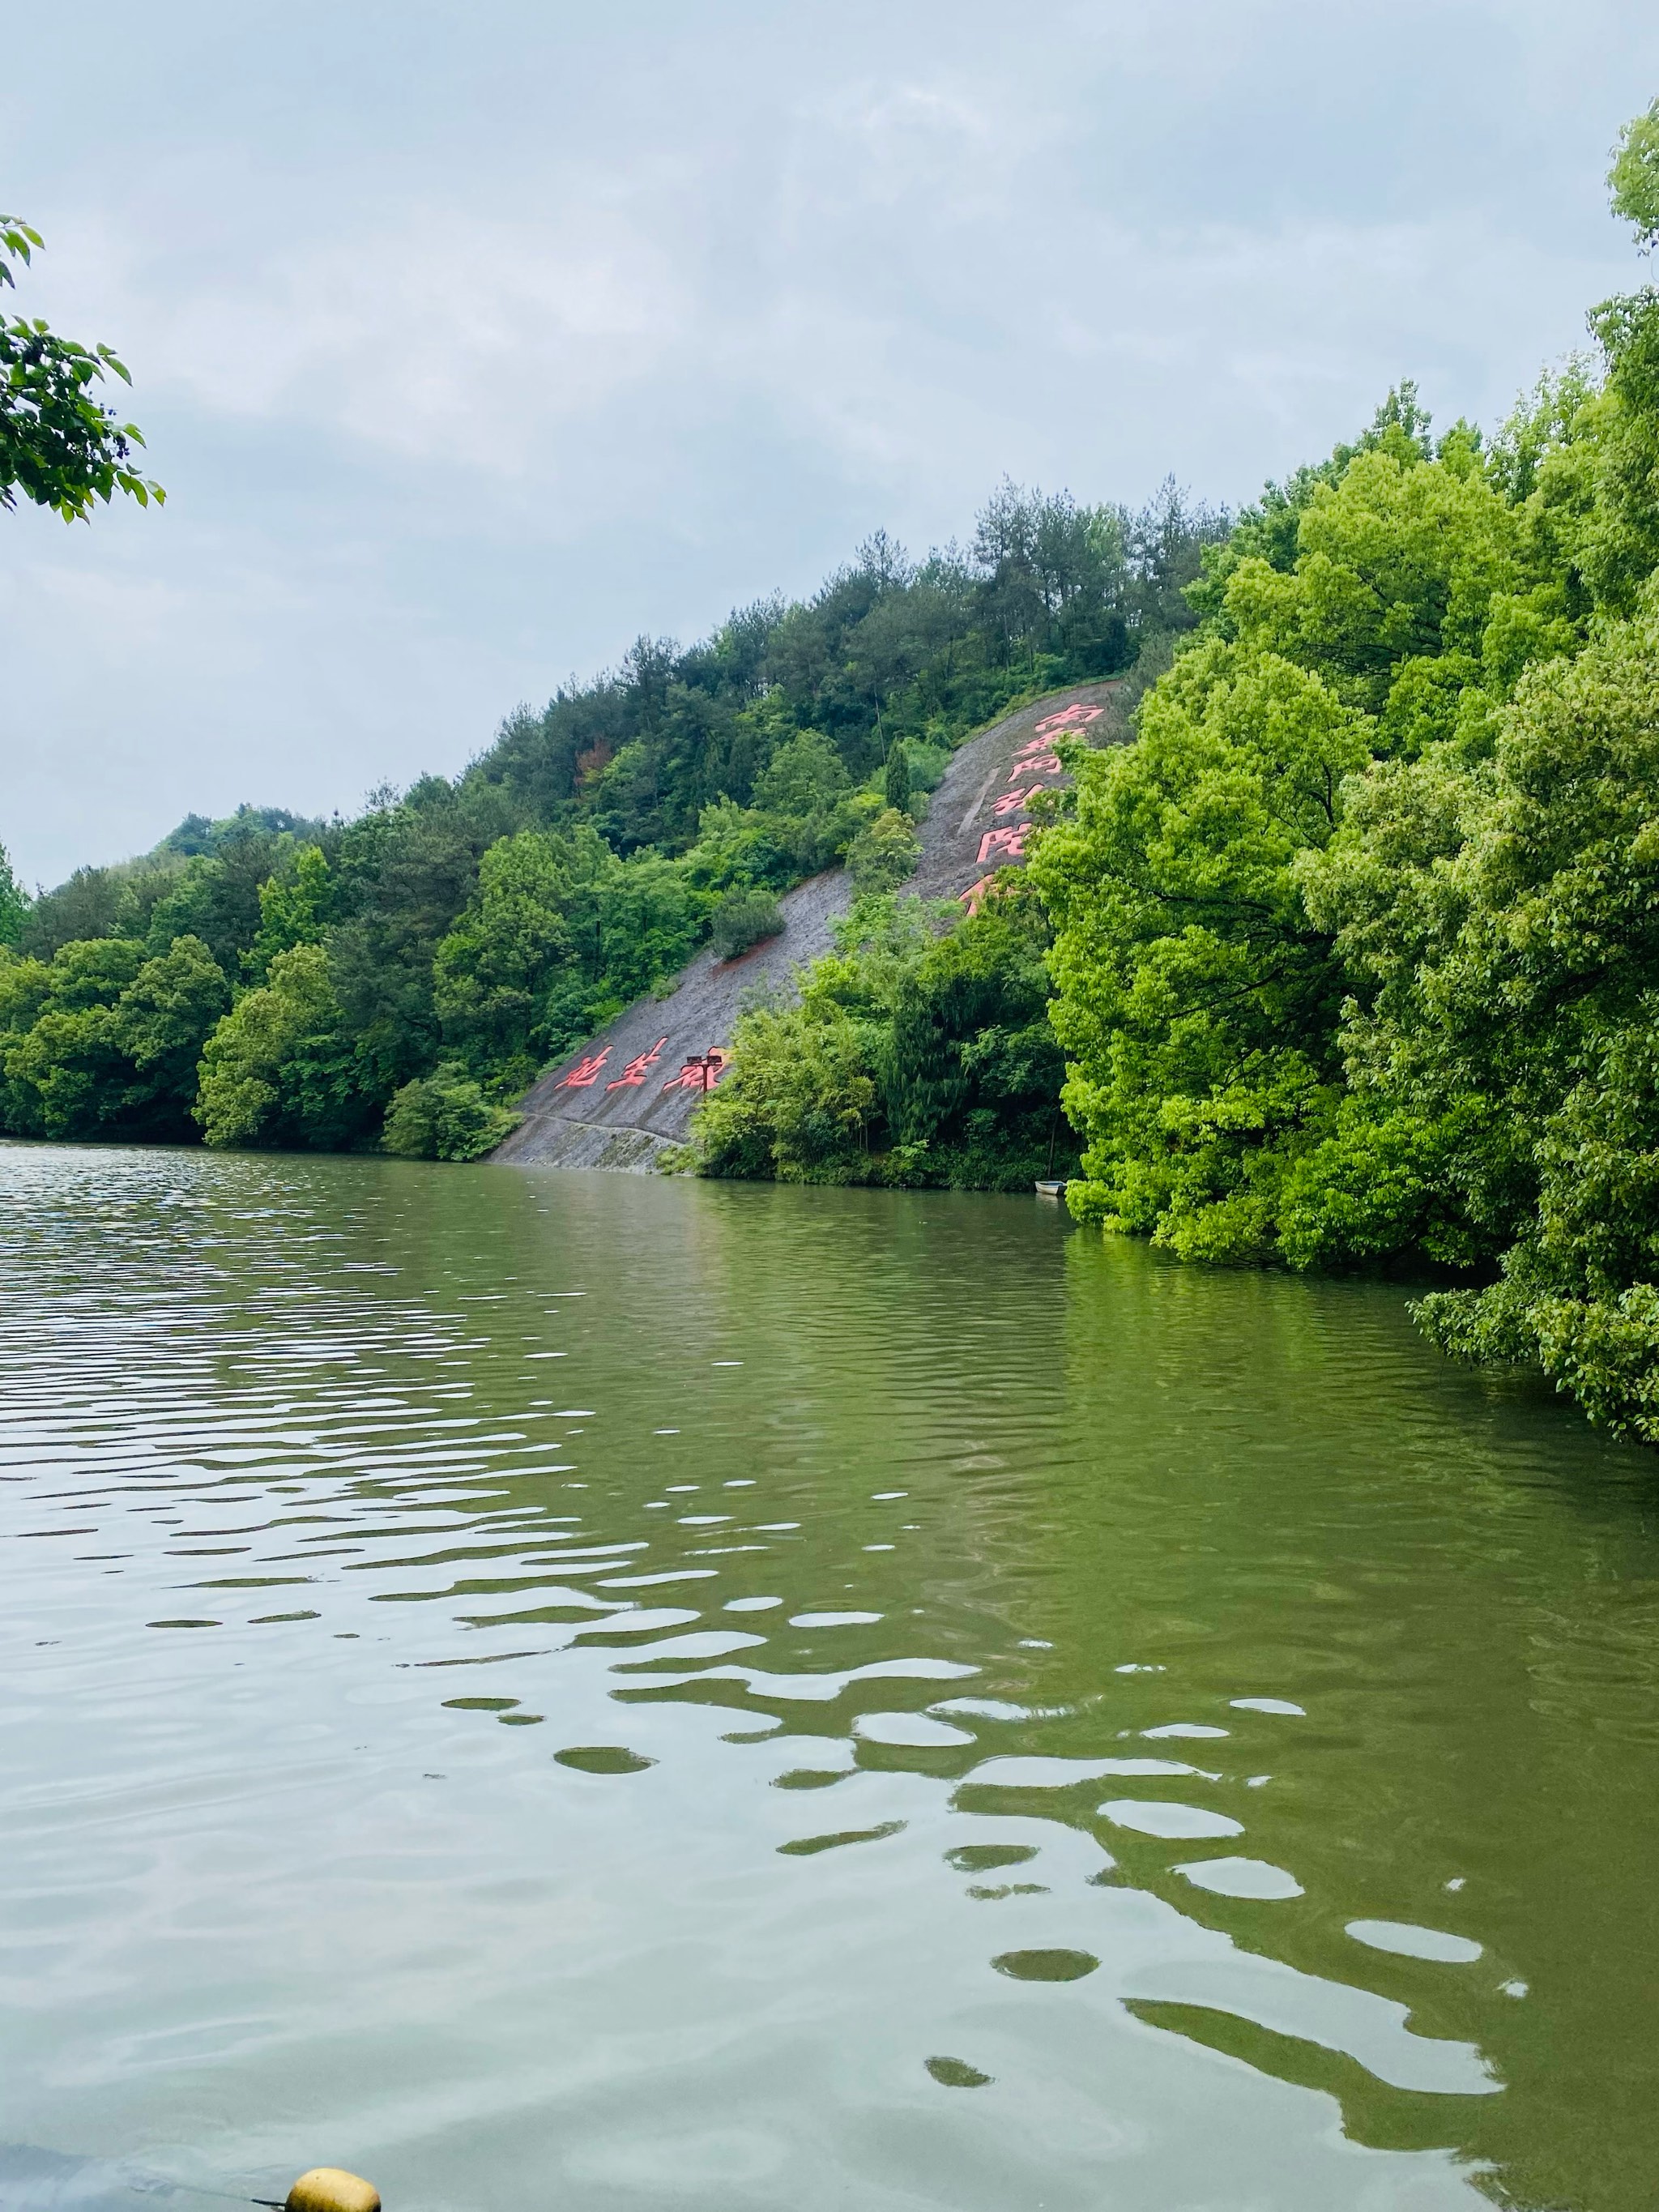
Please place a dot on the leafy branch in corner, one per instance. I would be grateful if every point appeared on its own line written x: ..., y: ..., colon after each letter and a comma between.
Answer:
x: 59, y: 445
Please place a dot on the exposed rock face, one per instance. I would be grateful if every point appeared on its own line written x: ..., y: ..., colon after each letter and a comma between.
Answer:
x: 626, y: 1094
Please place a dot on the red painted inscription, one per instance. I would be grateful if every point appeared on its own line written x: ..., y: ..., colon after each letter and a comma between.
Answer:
x: 585, y: 1074
x: 699, y: 1074
x: 636, y: 1070
x: 1073, y: 717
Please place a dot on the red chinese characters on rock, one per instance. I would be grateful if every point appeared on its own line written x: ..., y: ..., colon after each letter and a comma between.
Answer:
x: 977, y: 894
x: 1040, y: 764
x: 699, y: 1074
x: 1011, y: 801
x: 635, y: 1073
x: 1076, y: 717
x: 1009, y: 844
x: 585, y: 1074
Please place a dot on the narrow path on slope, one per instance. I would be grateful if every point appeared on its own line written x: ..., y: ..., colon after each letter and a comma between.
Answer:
x: 623, y: 1097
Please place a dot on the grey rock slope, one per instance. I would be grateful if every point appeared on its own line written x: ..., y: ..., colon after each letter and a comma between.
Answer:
x: 618, y: 1101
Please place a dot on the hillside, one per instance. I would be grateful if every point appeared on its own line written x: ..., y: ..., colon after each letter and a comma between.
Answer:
x: 624, y: 1095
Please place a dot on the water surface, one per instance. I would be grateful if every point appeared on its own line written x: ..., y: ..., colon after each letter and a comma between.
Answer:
x: 581, y: 1690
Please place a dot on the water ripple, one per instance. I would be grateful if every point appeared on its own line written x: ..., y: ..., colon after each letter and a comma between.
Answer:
x: 277, y: 1457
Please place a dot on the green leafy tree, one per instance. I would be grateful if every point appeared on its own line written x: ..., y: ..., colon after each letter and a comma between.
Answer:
x: 559, y: 936
x: 217, y: 897
x: 739, y: 848
x: 1199, y: 995
x: 806, y: 794
x: 885, y: 853
x: 647, y: 920
x: 1196, y: 1003
x: 296, y: 906
x: 797, y: 1104
x: 101, y: 1042
x: 60, y: 446
x: 25, y: 989
x: 280, y: 1069
x: 745, y: 917
x: 84, y: 906
x: 405, y: 871
x: 64, y: 1069
x: 970, y: 1069
x: 1633, y: 179
x: 1599, y: 493
x: 1501, y: 926
x: 511, y: 949
x: 164, y: 1019
x: 197, y: 833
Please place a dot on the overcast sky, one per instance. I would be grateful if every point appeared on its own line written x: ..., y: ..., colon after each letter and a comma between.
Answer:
x: 473, y: 340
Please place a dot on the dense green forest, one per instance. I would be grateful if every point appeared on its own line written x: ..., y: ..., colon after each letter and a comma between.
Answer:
x: 269, y: 981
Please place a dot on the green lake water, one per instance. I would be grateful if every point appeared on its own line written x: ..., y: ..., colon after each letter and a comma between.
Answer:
x: 580, y: 1691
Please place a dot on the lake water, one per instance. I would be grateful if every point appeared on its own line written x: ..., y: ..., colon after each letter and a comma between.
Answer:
x: 595, y: 1692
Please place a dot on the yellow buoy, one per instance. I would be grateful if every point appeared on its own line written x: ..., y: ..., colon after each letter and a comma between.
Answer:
x: 328, y: 2188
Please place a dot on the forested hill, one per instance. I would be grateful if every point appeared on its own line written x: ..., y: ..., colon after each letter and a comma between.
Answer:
x: 265, y: 981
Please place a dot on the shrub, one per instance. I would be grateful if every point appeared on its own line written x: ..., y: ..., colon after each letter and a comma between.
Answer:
x: 797, y: 1102
x: 445, y: 1116
x: 743, y: 918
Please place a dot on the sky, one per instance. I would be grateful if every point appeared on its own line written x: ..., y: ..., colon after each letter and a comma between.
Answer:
x: 473, y: 340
